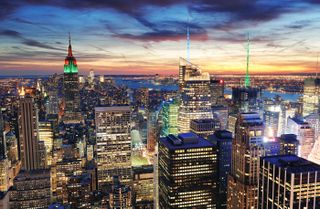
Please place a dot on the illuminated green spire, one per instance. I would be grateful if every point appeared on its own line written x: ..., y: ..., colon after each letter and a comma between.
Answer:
x: 247, y: 78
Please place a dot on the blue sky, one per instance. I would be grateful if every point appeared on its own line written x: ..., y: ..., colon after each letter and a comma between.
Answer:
x: 147, y: 37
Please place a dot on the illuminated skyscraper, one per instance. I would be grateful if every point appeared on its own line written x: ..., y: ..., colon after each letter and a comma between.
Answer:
x: 120, y: 195
x: 187, y: 172
x: 72, y: 112
x: 216, y: 91
x: 169, y: 115
x: 91, y: 77
x: 311, y: 96
x: 287, y: 181
x: 113, y: 126
x: 46, y: 135
x: 195, y: 96
x: 3, y: 143
x: 247, y: 148
x: 272, y: 120
x: 28, y: 133
x: 305, y: 135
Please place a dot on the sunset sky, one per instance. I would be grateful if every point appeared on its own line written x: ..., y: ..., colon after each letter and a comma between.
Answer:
x: 148, y: 37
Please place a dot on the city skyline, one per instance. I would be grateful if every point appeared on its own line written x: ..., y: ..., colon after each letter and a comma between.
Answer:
x: 148, y: 37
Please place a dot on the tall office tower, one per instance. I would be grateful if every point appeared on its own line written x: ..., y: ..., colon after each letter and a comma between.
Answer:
x: 169, y: 116
x: 113, y: 126
x: 311, y: 96
x: 91, y: 77
x: 272, y: 120
x: 286, y: 111
x: 204, y: 127
x: 245, y: 99
x: 152, y: 131
x: 247, y: 148
x: 289, y: 144
x: 52, y: 105
x: 28, y: 133
x: 221, y: 113
x: 288, y: 181
x: 120, y: 195
x: 222, y: 139
x: 72, y: 112
x: 46, y: 135
x: 195, y: 98
x: 187, y: 174
x: 143, y: 186
x: 216, y: 91
x: 3, y: 143
x: 305, y: 135
x: 31, y: 189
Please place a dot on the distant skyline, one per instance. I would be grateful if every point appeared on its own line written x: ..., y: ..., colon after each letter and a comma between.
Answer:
x: 148, y: 37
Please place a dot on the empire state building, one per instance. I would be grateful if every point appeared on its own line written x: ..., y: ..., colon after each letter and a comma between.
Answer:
x: 72, y: 112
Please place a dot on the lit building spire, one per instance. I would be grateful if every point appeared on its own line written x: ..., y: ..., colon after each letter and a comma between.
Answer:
x: 247, y: 78
x: 188, y: 43
x: 70, y: 63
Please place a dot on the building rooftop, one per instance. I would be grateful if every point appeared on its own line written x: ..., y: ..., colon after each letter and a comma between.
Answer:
x: 185, y: 141
x: 112, y: 108
x: 289, y: 138
x: 298, y: 121
x: 292, y: 163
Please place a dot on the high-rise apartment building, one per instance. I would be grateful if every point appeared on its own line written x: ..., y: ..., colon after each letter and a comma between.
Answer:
x: 72, y: 113
x: 143, y: 186
x: 288, y: 181
x: 247, y: 148
x: 187, y: 174
x: 113, y: 126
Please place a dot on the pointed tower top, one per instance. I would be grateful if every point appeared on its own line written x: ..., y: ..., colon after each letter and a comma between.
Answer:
x: 247, y: 78
x: 69, y: 48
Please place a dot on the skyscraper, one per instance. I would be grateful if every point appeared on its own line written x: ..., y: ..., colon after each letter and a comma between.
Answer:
x: 187, y: 174
x: 169, y: 116
x: 247, y: 148
x: 195, y: 96
x: 28, y: 133
x: 216, y: 91
x: 305, y: 135
x: 3, y: 147
x: 113, y: 126
x: 311, y: 96
x: 222, y: 139
x: 72, y: 112
x: 288, y: 181
x: 204, y: 127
